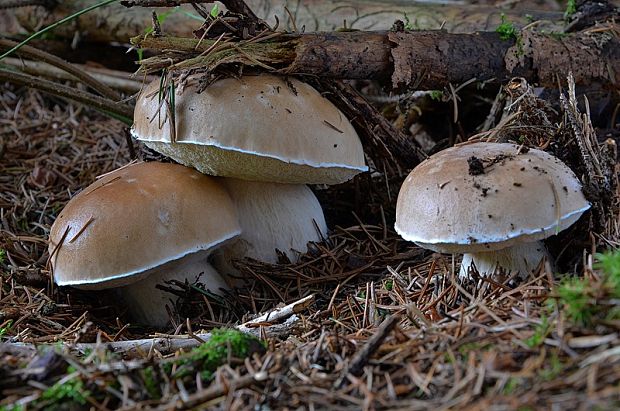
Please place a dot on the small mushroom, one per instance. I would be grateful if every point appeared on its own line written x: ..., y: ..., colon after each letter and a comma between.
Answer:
x: 139, y: 226
x: 496, y: 213
x: 268, y: 137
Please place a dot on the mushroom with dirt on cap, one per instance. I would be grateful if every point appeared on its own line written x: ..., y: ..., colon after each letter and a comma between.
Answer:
x: 268, y: 137
x: 493, y: 202
x: 141, y: 225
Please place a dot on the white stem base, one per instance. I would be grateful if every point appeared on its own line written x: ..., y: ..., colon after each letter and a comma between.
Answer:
x: 147, y: 304
x: 272, y: 216
x: 523, y: 258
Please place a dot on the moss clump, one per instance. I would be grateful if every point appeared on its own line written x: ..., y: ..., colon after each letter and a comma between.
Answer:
x: 506, y: 29
x: 149, y: 377
x: 571, y: 8
x: 65, y: 394
x: 223, y: 344
x: 585, y: 300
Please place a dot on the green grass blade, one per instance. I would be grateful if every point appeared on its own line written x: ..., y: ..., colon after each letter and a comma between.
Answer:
x: 56, y: 24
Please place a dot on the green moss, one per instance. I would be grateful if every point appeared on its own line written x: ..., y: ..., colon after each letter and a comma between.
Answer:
x: 506, y: 29
x: 553, y: 369
x: 150, y: 383
x: 540, y: 333
x: 436, y: 95
x: 574, y: 297
x: 579, y: 298
x: 519, y: 44
x: 6, y: 328
x: 571, y: 8
x: 511, y: 385
x: 408, y: 25
x: 71, y: 391
x: 2, y: 256
x: 224, y: 343
x: 609, y: 264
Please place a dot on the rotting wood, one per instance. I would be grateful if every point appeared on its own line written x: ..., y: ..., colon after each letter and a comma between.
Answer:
x: 413, y: 60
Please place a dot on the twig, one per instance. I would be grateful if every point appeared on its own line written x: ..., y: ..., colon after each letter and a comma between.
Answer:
x: 361, y: 357
x: 114, y: 80
x: 278, y: 313
x: 220, y: 390
x: 170, y: 344
x: 119, y: 110
x: 235, y: 6
x: 376, y: 130
x: 39, y: 55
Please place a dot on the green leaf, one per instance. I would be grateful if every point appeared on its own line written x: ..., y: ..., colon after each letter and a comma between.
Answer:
x: 215, y: 11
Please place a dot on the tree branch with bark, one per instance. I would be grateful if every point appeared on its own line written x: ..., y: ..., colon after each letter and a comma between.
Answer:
x: 423, y: 60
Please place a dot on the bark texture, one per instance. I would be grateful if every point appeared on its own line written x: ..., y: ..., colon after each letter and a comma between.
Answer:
x: 421, y: 59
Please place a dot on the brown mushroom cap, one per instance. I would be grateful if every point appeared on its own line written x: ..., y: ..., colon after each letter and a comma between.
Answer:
x: 258, y: 128
x: 135, y: 219
x: 449, y: 203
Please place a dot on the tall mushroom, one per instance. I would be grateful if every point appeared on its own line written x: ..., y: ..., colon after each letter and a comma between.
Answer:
x: 269, y: 137
x: 492, y: 201
x: 138, y: 226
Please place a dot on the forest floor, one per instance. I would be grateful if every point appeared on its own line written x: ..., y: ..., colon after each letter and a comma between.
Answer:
x: 390, y: 325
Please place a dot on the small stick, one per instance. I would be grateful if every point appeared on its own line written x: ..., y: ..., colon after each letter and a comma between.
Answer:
x: 235, y: 6
x: 120, y: 110
x: 42, y: 56
x: 278, y: 313
x: 360, y: 359
x: 220, y: 390
x: 169, y: 344
x: 114, y: 79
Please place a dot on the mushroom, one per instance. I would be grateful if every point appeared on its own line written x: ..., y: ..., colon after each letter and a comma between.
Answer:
x: 492, y: 201
x: 268, y: 137
x: 141, y: 225
x: 272, y: 216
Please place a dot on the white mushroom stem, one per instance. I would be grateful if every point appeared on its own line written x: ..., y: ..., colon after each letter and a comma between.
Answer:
x: 523, y: 257
x: 272, y: 216
x: 147, y: 303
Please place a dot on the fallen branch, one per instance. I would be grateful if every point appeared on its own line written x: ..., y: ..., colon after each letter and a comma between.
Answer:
x: 118, y: 110
x: 42, y: 56
x: 259, y: 327
x: 424, y: 60
x: 116, y: 80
